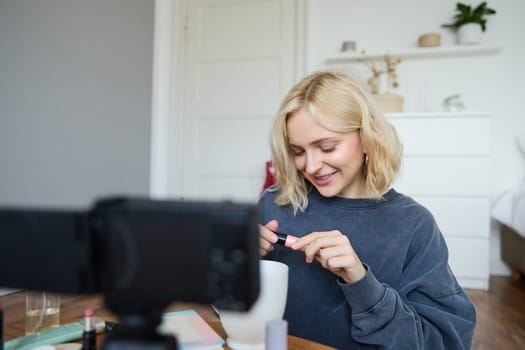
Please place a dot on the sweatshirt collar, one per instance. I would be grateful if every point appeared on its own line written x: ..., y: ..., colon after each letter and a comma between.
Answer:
x: 355, y: 203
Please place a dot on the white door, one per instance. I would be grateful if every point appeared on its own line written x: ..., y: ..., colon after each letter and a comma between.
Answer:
x: 240, y: 62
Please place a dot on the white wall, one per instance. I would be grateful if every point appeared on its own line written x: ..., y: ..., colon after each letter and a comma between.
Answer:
x: 486, y: 83
x: 75, y: 100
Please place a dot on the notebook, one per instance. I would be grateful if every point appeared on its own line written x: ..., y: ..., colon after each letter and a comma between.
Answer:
x: 192, y: 332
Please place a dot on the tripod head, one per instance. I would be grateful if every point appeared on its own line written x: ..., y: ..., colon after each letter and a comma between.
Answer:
x: 141, y: 254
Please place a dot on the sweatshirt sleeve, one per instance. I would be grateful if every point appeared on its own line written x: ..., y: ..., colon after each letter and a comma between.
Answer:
x: 428, y: 310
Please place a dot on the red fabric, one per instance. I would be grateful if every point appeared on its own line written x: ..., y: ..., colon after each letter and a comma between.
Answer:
x: 270, y: 177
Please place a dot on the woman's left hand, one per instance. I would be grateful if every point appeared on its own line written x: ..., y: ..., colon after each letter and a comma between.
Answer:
x: 334, y: 252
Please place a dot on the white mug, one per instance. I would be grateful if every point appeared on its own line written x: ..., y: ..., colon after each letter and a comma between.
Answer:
x: 245, y: 330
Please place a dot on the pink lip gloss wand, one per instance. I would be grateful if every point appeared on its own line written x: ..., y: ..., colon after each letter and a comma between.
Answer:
x: 285, y: 240
x: 89, y: 336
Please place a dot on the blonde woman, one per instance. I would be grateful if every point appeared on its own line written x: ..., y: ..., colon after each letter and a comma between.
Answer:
x: 369, y: 268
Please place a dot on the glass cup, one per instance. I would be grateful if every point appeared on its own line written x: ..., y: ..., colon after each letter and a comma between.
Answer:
x: 42, y: 311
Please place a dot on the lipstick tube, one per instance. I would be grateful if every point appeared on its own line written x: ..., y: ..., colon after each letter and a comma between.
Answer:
x: 89, y: 336
x: 285, y: 240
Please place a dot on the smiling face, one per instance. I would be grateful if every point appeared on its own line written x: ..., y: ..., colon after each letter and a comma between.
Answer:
x: 331, y: 161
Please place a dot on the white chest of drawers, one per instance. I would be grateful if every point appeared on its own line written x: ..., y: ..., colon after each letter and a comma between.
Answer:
x: 446, y: 169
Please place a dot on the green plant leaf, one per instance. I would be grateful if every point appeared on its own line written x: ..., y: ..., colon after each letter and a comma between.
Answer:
x: 466, y: 14
x: 480, y: 9
x: 463, y: 8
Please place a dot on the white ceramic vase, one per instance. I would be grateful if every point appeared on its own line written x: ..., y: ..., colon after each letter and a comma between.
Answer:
x: 469, y: 34
x: 246, y: 330
x: 382, y: 83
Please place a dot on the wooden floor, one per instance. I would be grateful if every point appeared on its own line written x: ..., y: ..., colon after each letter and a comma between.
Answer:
x: 500, y: 315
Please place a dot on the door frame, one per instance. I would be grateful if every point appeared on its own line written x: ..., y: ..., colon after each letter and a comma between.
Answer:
x: 167, y: 107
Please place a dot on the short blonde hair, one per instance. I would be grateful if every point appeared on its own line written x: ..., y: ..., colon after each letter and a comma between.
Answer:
x: 339, y: 103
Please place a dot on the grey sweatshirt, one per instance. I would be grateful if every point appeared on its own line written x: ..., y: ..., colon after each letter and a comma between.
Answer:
x: 408, y: 299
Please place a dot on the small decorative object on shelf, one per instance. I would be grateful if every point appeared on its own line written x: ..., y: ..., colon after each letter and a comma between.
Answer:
x: 429, y: 40
x: 384, y: 78
x: 470, y: 22
x: 348, y: 45
x: 453, y: 103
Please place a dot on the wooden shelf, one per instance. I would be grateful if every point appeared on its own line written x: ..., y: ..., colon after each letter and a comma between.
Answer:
x: 420, y: 52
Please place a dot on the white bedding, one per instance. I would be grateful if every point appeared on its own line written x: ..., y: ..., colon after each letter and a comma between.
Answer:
x: 510, y: 209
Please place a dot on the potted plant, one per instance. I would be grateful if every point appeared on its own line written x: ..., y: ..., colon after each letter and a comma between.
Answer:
x: 469, y: 22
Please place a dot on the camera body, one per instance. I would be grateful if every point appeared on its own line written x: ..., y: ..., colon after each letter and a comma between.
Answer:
x: 141, y: 254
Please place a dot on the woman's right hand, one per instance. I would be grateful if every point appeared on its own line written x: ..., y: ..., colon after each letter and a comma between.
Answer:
x: 267, y: 237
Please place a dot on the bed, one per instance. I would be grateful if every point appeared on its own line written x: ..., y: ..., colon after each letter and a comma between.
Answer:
x: 509, y: 211
x: 513, y: 250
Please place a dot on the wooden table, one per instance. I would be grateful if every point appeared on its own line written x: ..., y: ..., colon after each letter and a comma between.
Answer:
x: 73, y: 306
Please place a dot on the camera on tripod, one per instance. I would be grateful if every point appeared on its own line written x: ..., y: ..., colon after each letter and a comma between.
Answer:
x: 141, y: 254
